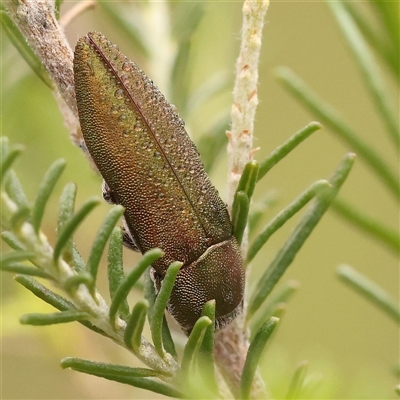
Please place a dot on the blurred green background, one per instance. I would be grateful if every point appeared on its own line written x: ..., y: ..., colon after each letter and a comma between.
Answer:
x: 353, y: 349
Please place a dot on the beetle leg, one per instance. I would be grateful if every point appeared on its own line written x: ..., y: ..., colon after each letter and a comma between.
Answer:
x: 108, y: 195
x: 127, y: 239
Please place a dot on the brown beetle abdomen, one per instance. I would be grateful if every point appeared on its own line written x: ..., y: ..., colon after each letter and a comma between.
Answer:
x: 218, y: 274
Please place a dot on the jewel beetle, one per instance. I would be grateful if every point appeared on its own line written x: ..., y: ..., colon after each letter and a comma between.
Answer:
x: 152, y: 168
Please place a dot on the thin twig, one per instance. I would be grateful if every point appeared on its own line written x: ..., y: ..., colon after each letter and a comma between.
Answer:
x: 240, y: 146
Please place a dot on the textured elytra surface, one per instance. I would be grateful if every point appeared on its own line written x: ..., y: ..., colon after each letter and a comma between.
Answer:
x: 140, y: 146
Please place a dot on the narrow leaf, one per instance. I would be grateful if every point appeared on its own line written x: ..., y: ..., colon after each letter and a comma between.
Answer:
x: 207, y: 345
x: 65, y: 212
x: 388, y: 236
x: 11, y: 258
x: 78, y: 261
x: 253, y: 356
x: 126, y: 285
x: 331, y: 118
x: 383, y: 47
x: 131, y: 28
x: 12, y: 240
x: 249, y: 178
x: 369, y: 69
x: 259, y: 210
x: 82, y: 365
x: 214, y: 85
x: 192, y: 347
x: 134, y: 327
x: 212, y: 142
x: 82, y: 278
x: 54, y: 299
x: 19, y: 42
x: 168, y: 341
x: 116, y: 270
x: 287, y: 253
x: 297, y: 381
x: 280, y: 219
x: 370, y: 290
x: 240, y: 212
x: 101, y: 239
x: 160, y: 305
x: 9, y: 159
x: 206, y: 351
x: 14, y: 189
x: 72, y: 224
x: 283, y: 150
x: 275, y: 305
x: 186, y: 18
x: 46, y: 187
x: 179, y: 78
x: 24, y: 269
x: 54, y: 318
x: 122, y: 375
x: 19, y: 217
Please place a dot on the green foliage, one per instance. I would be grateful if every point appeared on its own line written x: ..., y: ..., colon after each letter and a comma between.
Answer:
x: 371, y: 47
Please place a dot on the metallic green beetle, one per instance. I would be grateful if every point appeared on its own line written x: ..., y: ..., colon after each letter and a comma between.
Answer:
x: 152, y: 168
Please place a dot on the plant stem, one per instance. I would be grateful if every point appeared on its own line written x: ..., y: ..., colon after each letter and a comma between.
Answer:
x: 240, y: 147
x: 37, y: 22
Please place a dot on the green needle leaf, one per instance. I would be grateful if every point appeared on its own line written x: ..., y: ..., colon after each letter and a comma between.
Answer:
x: 287, y: 253
x: 367, y: 224
x: 49, y: 297
x: 207, y: 345
x: 295, y: 206
x: 370, y: 290
x: 12, y: 240
x: 167, y: 339
x: 25, y: 270
x: 240, y: 212
x: 259, y: 210
x: 385, y: 49
x: 212, y: 142
x: 283, y: 150
x: 72, y: 224
x: 19, y: 42
x: 78, y: 261
x: 11, y: 258
x: 19, y: 217
x: 43, y: 293
x: 253, y: 356
x: 116, y: 269
x: 126, y: 285
x: 82, y: 365
x: 160, y: 305
x: 249, y: 178
x: 206, y: 351
x: 65, y: 212
x: 297, y: 381
x: 54, y: 318
x: 138, y: 377
x: 82, y: 278
x: 275, y: 305
x: 101, y: 239
x: 14, y: 189
x: 46, y: 187
x: 331, y: 118
x: 130, y: 28
x: 193, y: 344
x: 9, y: 159
x: 369, y: 69
x: 134, y: 327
